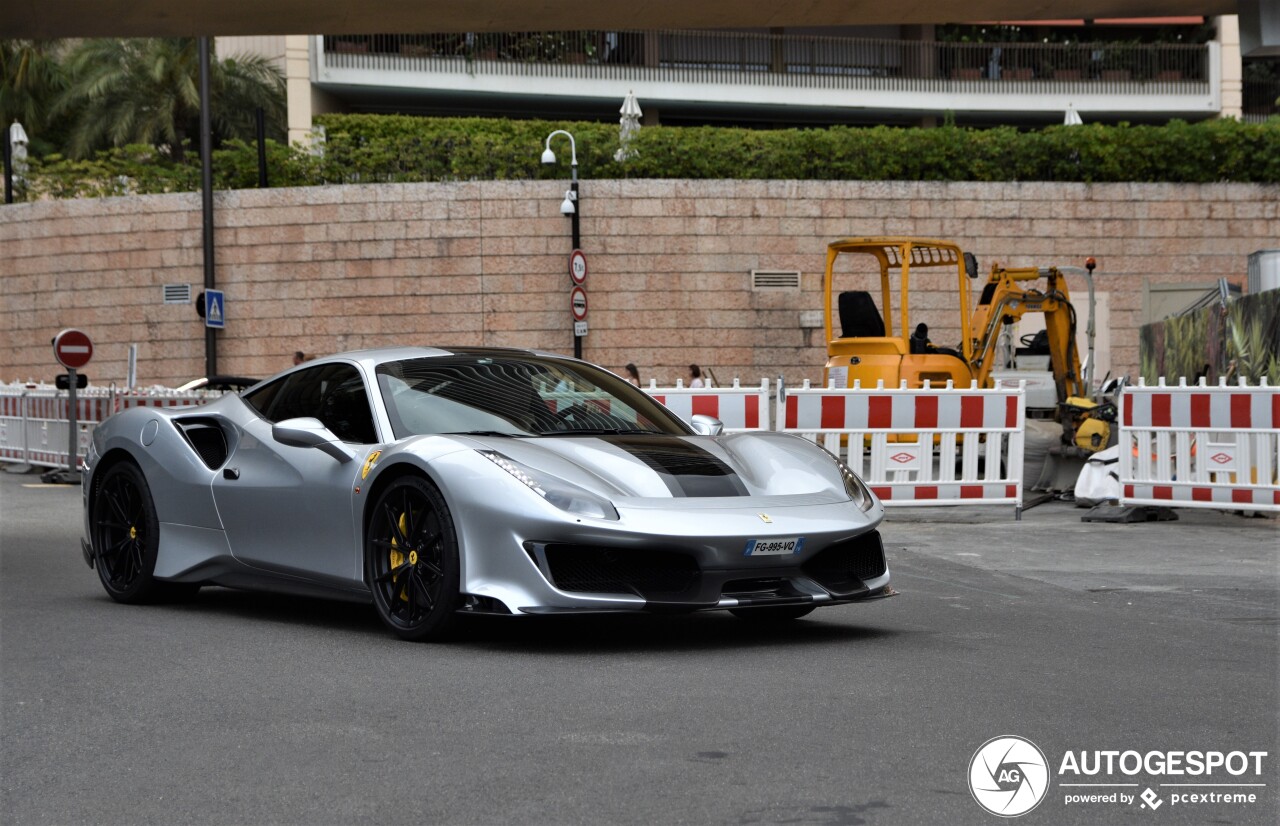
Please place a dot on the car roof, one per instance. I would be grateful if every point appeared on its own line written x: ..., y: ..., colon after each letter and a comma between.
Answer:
x: 375, y: 356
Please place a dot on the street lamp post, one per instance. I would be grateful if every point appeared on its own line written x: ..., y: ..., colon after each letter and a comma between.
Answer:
x: 571, y: 206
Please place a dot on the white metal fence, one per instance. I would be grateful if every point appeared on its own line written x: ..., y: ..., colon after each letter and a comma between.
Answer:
x: 34, y: 425
x: 1186, y: 446
x: 1201, y: 446
x: 930, y: 446
x: 922, y: 446
x: 739, y: 408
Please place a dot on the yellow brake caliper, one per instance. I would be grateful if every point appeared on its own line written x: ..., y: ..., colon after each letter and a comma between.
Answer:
x: 397, y: 558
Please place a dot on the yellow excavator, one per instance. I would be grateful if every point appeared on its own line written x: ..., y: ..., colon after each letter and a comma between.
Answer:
x: 864, y: 344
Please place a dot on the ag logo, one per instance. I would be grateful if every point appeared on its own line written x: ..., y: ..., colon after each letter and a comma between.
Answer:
x: 1008, y: 776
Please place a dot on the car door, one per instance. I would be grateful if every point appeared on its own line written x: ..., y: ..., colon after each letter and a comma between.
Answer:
x: 292, y: 509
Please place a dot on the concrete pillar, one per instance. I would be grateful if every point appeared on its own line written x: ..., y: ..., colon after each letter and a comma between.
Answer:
x: 1232, y: 69
x: 297, y: 78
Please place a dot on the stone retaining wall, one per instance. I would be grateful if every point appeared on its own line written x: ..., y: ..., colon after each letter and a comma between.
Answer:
x: 327, y: 269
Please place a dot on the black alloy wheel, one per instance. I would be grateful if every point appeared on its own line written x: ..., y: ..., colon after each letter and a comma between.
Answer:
x: 126, y: 538
x: 411, y: 560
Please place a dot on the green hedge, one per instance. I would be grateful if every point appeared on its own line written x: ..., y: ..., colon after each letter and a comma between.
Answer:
x: 407, y: 148
x: 387, y: 148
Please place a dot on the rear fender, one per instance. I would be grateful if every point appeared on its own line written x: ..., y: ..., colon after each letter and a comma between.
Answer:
x: 180, y: 482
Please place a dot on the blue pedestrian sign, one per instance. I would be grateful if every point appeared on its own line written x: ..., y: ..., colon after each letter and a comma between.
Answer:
x: 214, y: 309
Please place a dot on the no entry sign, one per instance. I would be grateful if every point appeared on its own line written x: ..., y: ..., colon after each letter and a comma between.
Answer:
x: 578, y: 303
x: 72, y: 349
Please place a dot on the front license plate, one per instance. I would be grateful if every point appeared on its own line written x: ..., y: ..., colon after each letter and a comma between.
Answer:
x: 774, y: 547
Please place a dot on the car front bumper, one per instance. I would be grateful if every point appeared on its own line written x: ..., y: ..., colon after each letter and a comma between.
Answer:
x: 528, y: 557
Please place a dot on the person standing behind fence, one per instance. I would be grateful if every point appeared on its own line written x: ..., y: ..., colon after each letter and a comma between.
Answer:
x: 632, y: 375
x: 695, y: 376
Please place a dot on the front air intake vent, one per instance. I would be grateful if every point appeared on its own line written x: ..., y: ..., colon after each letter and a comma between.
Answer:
x: 844, y: 567
x: 775, y: 280
x: 647, y: 572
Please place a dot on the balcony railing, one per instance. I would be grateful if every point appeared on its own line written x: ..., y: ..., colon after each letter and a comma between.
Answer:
x: 1261, y: 100
x: 789, y: 60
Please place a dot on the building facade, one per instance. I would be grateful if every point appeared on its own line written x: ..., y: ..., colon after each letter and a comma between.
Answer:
x: 907, y: 75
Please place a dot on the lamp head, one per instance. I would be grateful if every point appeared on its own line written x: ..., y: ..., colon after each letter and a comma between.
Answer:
x: 566, y: 206
x: 548, y: 156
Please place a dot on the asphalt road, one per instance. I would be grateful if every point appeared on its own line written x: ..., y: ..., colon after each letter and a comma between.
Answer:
x: 251, y: 708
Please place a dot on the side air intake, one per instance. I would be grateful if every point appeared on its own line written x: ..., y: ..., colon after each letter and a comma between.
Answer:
x: 206, y: 438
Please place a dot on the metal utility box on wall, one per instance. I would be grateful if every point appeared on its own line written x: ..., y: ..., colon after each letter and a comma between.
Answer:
x: 1264, y: 271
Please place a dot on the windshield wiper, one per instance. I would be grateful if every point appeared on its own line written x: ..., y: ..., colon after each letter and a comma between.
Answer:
x: 487, y: 433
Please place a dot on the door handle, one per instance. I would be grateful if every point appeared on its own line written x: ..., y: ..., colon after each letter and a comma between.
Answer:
x: 231, y: 473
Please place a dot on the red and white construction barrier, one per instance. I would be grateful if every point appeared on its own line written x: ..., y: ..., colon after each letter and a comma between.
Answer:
x: 34, y: 422
x: 1200, y: 446
x: 47, y: 436
x: 161, y: 397
x: 13, y: 418
x: 739, y: 408
x: 923, y: 446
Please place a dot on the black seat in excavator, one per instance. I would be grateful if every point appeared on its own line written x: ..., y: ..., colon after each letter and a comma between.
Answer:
x: 859, y: 317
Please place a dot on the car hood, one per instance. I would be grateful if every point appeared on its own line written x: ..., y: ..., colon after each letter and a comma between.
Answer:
x: 682, y: 467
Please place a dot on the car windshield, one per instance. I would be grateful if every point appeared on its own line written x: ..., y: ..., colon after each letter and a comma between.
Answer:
x: 515, y: 395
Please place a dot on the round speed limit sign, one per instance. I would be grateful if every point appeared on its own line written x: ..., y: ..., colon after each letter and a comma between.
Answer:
x: 578, y: 266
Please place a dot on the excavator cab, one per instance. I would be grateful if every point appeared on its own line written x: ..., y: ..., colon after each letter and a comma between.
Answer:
x: 863, y: 342
x: 878, y: 293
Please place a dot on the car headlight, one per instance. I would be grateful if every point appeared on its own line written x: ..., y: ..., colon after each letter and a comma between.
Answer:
x: 565, y: 496
x: 855, y: 487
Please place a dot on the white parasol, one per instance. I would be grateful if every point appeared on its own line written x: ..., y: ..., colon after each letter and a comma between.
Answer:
x: 630, y: 127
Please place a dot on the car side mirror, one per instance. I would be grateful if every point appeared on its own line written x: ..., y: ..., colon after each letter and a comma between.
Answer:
x: 705, y: 425
x: 970, y: 265
x: 308, y: 432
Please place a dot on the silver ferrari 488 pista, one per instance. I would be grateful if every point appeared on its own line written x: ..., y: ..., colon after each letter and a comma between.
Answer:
x: 439, y: 482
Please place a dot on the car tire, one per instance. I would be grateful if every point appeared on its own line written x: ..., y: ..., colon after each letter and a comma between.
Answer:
x: 774, y: 613
x: 411, y: 560
x: 126, y: 539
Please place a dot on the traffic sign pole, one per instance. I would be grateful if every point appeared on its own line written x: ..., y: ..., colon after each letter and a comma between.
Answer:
x: 578, y: 276
x: 73, y: 465
x: 73, y: 349
x: 575, y: 225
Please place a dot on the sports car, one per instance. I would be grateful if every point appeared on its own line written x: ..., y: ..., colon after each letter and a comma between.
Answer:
x: 439, y: 482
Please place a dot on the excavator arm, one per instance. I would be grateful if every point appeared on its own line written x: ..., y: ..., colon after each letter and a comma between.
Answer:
x: 1006, y: 297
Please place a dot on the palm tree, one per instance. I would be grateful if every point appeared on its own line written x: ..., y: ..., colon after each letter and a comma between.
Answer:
x: 31, y: 78
x: 147, y: 90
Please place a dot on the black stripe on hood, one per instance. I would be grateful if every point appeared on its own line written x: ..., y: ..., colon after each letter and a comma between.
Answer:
x: 687, y: 469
